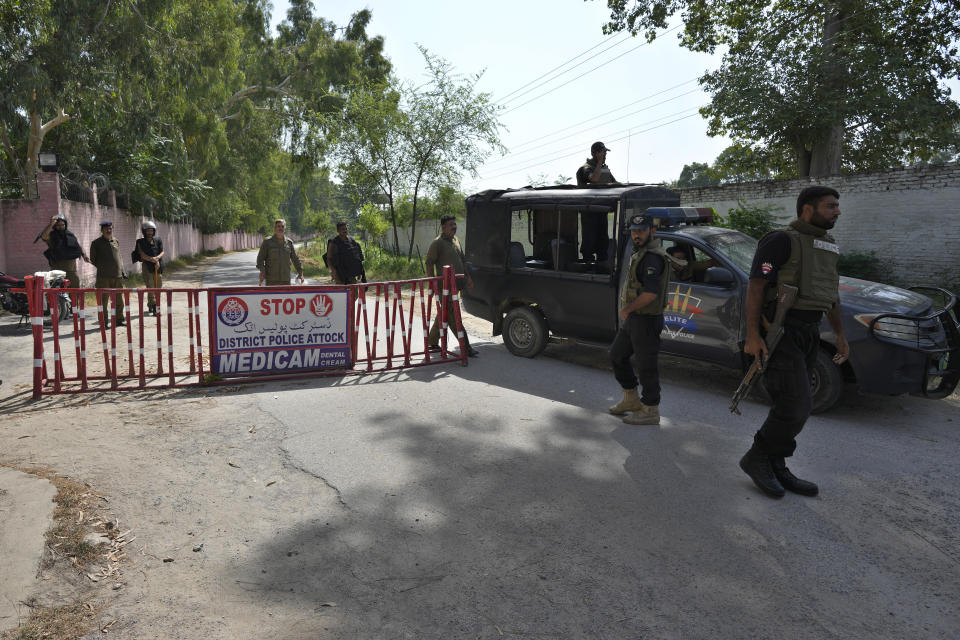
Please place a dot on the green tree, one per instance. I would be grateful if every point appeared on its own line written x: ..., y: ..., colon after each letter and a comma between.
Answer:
x: 755, y: 220
x: 371, y: 219
x: 407, y: 139
x: 697, y: 174
x: 833, y: 84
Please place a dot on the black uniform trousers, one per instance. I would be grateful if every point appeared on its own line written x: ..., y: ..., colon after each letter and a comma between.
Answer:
x: 787, y: 379
x: 593, y: 229
x: 639, y: 336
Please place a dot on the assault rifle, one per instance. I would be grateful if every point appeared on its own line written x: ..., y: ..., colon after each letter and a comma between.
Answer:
x: 786, y: 295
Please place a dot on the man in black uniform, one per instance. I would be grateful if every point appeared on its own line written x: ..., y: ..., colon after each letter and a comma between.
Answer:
x: 642, y: 301
x: 594, y: 225
x: 345, y: 257
x: 803, y: 255
x: 63, y: 248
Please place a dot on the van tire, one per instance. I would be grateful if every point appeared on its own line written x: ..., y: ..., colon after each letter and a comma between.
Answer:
x: 524, y: 332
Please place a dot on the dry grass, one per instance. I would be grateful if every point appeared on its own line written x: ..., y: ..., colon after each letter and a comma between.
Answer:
x: 79, y: 511
x: 63, y: 623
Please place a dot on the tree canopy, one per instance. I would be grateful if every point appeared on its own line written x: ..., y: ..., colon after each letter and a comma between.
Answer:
x: 830, y: 84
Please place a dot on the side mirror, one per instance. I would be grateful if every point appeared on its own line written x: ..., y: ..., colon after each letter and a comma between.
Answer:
x: 719, y: 276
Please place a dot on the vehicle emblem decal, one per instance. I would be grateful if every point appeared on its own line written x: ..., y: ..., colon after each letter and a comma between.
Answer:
x: 678, y: 317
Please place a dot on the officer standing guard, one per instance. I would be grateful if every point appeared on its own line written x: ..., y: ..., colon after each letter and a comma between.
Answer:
x: 276, y: 254
x: 642, y: 300
x: 105, y: 256
x: 345, y: 257
x: 446, y: 250
x: 150, y: 251
x: 63, y: 248
x: 803, y: 255
x: 593, y: 225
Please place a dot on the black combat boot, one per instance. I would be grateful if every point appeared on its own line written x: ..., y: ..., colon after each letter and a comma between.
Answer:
x: 790, y: 481
x: 757, y: 465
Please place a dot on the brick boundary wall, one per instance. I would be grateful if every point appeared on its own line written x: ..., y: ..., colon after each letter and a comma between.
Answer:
x: 910, y: 216
x: 22, y: 220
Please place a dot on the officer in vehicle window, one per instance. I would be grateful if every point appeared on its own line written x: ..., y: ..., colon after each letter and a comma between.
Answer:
x: 150, y: 250
x: 803, y: 255
x: 685, y: 268
x: 345, y: 257
x: 593, y: 226
x: 642, y: 301
x: 63, y: 248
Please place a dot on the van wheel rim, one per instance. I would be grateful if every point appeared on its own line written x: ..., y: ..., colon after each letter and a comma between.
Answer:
x: 521, y: 334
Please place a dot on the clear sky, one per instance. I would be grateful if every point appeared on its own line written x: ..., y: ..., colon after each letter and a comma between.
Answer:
x: 640, y: 100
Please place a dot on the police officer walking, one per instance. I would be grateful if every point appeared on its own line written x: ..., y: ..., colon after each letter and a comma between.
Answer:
x: 642, y: 300
x: 345, y: 257
x: 446, y: 250
x: 803, y: 255
x: 63, y: 248
x: 276, y: 254
x: 150, y: 252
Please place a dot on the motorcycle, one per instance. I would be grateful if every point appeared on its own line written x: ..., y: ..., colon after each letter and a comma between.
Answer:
x: 17, y: 303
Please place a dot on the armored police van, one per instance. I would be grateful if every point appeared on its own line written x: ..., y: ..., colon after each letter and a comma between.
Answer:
x: 523, y: 253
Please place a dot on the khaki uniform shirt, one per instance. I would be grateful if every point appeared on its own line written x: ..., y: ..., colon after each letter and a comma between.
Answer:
x: 444, y: 252
x: 105, y: 256
x: 274, y: 260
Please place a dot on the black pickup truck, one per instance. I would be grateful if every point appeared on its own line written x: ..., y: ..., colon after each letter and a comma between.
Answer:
x: 529, y: 282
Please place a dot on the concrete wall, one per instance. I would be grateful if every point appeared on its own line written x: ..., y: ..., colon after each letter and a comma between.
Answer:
x: 22, y: 220
x: 910, y: 216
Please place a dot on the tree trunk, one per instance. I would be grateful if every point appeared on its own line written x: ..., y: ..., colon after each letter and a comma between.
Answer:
x: 825, y: 156
x: 825, y: 153
x: 393, y: 220
x: 803, y: 160
x: 413, y: 221
x: 38, y: 130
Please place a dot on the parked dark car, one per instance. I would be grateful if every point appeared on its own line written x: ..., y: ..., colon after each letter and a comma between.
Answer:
x: 522, y: 254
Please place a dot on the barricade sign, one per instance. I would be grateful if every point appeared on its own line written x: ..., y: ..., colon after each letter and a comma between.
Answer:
x: 254, y: 333
x: 281, y: 329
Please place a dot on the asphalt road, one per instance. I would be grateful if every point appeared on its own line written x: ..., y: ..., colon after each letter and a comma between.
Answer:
x: 502, y: 494
x: 501, y: 500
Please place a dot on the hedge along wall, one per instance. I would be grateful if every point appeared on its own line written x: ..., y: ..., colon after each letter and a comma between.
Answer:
x: 22, y: 220
x: 909, y: 216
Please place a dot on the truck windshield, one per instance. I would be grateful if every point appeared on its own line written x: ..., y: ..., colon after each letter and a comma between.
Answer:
x: 737, y: 247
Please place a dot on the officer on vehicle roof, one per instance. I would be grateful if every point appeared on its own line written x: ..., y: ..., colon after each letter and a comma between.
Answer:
x: 803, y: 255
x: 642, y: 300
x: 593, y: 225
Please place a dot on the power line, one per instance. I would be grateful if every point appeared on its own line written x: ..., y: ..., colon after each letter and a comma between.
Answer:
x: 559, y: 66
x: 579, y: 148
x: 546, y: 93
x: 606, y: 113
x: 599, y: 124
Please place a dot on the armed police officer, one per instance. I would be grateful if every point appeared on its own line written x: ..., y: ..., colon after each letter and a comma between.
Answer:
x: 150, y: 252
x: 275, y: 256
x: 63, y: 248
x: 345, y: 257
x: 803, y: 255
x: 642, y: 300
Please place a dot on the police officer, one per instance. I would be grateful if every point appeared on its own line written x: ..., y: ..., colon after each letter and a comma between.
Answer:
x: 345, y: 257
x: 593, y: 226
x: 642, y: 300
x: 803, y: 255
x: 150, y: 251
x: 63, y: 248
x: 446, y: 250
x: 105, y: 256
x: 276, y: 254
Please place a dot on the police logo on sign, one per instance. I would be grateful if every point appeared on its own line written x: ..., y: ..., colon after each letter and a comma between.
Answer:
x: 321, y: 305
x: 232, y: 311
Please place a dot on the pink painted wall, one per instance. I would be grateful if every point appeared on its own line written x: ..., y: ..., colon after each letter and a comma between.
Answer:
x: 22, y: 220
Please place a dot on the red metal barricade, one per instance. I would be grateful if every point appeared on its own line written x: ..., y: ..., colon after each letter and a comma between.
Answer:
x: 378, y: 341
